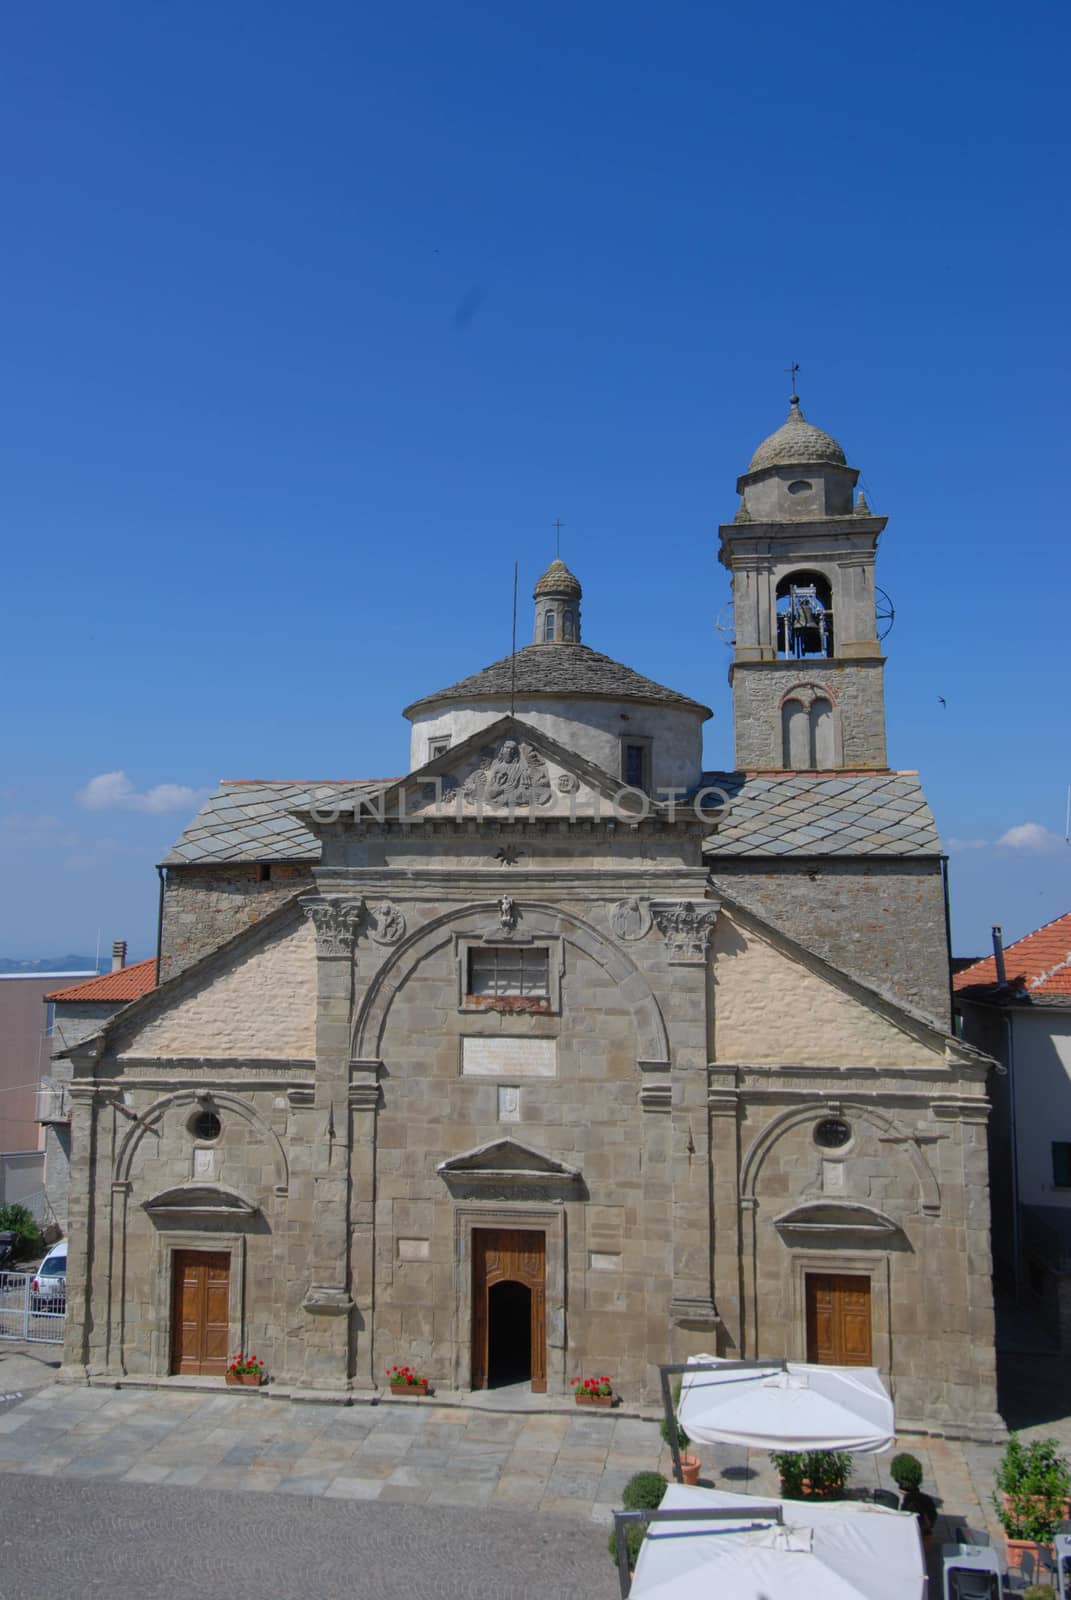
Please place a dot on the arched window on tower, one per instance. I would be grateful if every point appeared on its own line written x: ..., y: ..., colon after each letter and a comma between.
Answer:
x: 808, y: 732
x: 568, y: 627
x: 548, y: 627
x: 804, y: 616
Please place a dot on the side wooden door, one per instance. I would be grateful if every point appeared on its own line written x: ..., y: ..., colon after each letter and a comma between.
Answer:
x: 508, y: 1255
x: 200, y: 1311
x: 838, y: 1320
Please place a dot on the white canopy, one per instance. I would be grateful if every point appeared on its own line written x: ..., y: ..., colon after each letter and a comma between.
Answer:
x: 825, y: 1550
x: 798, y: 1408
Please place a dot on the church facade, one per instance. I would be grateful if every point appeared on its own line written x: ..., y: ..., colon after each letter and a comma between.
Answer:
x: 560, y: 1055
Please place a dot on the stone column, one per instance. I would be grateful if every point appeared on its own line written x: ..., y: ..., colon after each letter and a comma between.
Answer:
x: 723, y: 1099
x: 328, y: 1304
x: 82, y: 1210
x: 686, y: 926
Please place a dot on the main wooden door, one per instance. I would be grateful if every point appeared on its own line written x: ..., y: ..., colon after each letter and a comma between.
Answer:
x: 838, y: 1320
x: 509, y: 1324
x: 200, y: 1311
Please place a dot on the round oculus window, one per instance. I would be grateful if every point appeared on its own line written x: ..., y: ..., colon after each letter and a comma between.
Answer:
x: 832, y: 1133
x: 205, y: 1125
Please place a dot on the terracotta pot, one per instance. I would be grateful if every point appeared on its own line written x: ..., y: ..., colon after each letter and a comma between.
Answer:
x: 594, y: 1399
x: 1065, y: 1509
x: 245, y: 1380
x: 409, y: 1388
x: 1024, y: 1556
x: 690, y: 1466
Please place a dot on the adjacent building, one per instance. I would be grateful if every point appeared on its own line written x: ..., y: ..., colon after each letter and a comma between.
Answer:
x: 25, y: 1043
x: 560, y: 1054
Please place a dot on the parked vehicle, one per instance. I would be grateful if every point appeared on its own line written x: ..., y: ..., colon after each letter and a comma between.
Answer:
x: 50, y: 1279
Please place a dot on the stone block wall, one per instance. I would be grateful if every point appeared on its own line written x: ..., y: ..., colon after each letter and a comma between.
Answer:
x: 206, y: 906
x: 882, y: 921
x: 854, y: 687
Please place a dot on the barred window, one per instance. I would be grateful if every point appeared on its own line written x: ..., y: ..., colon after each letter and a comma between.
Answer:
x: 509, y: 970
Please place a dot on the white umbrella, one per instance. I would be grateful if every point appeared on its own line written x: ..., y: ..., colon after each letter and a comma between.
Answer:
x: 790, y: 1407
x: 831, y: 1550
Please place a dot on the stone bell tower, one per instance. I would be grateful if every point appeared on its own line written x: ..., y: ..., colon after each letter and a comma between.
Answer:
x: 807, y: 672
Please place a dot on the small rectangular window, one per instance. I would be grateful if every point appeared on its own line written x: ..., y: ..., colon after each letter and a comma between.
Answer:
x: 636, y: 763
x: 50, y: 1019
x: 1061, y: 1164
x: 500, y: 970
x: 437, y: 747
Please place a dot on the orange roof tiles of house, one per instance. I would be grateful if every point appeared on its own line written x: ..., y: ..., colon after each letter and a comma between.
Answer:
x: 128, y: 983
x: 1037, y: 967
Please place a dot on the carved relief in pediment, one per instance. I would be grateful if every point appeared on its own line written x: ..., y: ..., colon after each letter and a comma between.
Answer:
x: 511, y: 774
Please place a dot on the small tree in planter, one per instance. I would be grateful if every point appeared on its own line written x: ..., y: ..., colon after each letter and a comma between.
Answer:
x: 820, y: 1474
x: 690, y: 1465
x: 1033, y: 1483
x: 906, y: 1472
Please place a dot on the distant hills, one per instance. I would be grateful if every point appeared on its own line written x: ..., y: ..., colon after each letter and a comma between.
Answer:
x: 53, y: 964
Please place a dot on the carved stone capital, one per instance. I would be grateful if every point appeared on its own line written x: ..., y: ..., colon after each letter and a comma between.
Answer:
x: 327, y: 1300
x: 698, y: 1312
x: 686, y: 926
x: 336, y: 923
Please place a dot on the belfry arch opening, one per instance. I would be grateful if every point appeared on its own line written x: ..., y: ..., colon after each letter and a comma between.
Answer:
x: 804, y: 616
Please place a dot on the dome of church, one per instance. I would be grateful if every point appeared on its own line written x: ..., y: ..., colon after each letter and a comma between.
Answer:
x: 558, y: 580
x: 797, y: 444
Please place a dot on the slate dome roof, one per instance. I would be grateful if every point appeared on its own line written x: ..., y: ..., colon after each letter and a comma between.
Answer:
x: 797, y: 443
x: 568, y: 669
x: 558, y: 580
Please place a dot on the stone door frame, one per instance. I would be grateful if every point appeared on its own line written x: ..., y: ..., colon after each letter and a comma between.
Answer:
x: 876, y: 1266
x: 546, y: 1219
x: 234, y: 1244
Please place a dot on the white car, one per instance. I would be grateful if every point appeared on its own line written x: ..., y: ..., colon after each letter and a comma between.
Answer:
x: 50, y: 1279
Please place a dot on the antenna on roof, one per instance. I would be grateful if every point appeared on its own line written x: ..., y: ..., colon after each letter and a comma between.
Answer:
x: 513, y: 652
x: 1067, y: 819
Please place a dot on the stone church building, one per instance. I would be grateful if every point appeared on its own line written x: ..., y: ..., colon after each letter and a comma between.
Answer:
x: 559, y: 1055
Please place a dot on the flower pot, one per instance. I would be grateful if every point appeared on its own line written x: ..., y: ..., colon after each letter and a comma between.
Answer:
x: 594, y: 1399
x: 1025, y: 1556
x: 409, y: 1388
x: 690, y: 1466
x: 245, y: 1380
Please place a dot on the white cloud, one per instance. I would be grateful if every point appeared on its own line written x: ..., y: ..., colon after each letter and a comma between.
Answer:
x: 113, y: 791
x: 1030, y: 836
x: 1023, y: 836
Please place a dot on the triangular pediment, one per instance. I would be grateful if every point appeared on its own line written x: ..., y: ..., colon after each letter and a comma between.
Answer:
x: 504, y: 1156
x: 509, y: 767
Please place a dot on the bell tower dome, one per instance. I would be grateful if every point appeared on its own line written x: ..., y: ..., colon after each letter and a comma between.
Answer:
x: 807, y: 672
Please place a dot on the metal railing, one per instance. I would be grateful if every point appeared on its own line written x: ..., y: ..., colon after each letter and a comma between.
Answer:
x: 37, y: 1318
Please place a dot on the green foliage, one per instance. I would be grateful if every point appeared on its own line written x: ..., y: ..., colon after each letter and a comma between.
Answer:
x: 634, y: 1537
x: 906, y: 1471
x: 1033, y: 1483
x: 644, y: 1491
x: 1037, y: 1591
x: 17, y: 1220
x: 682, y: 1438
x: 826, y: 1472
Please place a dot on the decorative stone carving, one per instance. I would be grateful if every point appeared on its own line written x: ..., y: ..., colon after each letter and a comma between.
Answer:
x: 686, y: 926
x: 567, y: 784
x: 335, y: 922
x: 507, y: 912
x: 631, y: 918
x: 387, y: 923
x: 514, y: 774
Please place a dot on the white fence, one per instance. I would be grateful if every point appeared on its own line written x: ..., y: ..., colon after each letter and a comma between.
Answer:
x: 25, y: 1315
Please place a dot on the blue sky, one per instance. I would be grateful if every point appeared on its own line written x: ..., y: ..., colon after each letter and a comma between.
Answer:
x: 315, y: 318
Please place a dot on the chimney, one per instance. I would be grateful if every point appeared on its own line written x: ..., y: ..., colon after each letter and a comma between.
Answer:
x: 998, y: 953
x: 118, y: 954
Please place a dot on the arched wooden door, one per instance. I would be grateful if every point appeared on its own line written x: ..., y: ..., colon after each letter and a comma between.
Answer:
x: 508, y: 1255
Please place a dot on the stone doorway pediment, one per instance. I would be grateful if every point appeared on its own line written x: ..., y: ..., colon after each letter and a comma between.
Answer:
x: 505, y: 1168
x: 200, y: 1200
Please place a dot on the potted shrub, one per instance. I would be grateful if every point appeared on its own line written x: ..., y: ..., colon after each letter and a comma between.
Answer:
x: 246, y: 1371
x: 642, y: 1492
x: 1033, y: 1483
x: 812, y: 1474
x: 403, y: 1380
x: 592, y: 1391
x: 906, y: 1472
x: 690, y: 1465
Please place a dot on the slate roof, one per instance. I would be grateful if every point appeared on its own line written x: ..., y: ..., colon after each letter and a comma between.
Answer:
x: 128, y: 983
x: 773, y: 814
x: 824, y: 814
x: 1037, y: 968
x: 560, y: 669
x: 797, y: 443
x: 249, y: 820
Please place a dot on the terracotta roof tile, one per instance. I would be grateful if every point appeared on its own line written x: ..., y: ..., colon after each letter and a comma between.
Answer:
x: 1037, y: 967
x: 129, y: 983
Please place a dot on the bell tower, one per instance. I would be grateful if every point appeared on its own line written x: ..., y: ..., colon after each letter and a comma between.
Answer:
x: 808, y: 672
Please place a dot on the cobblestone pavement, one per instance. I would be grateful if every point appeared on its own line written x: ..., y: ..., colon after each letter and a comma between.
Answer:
x: 97, y: 1540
